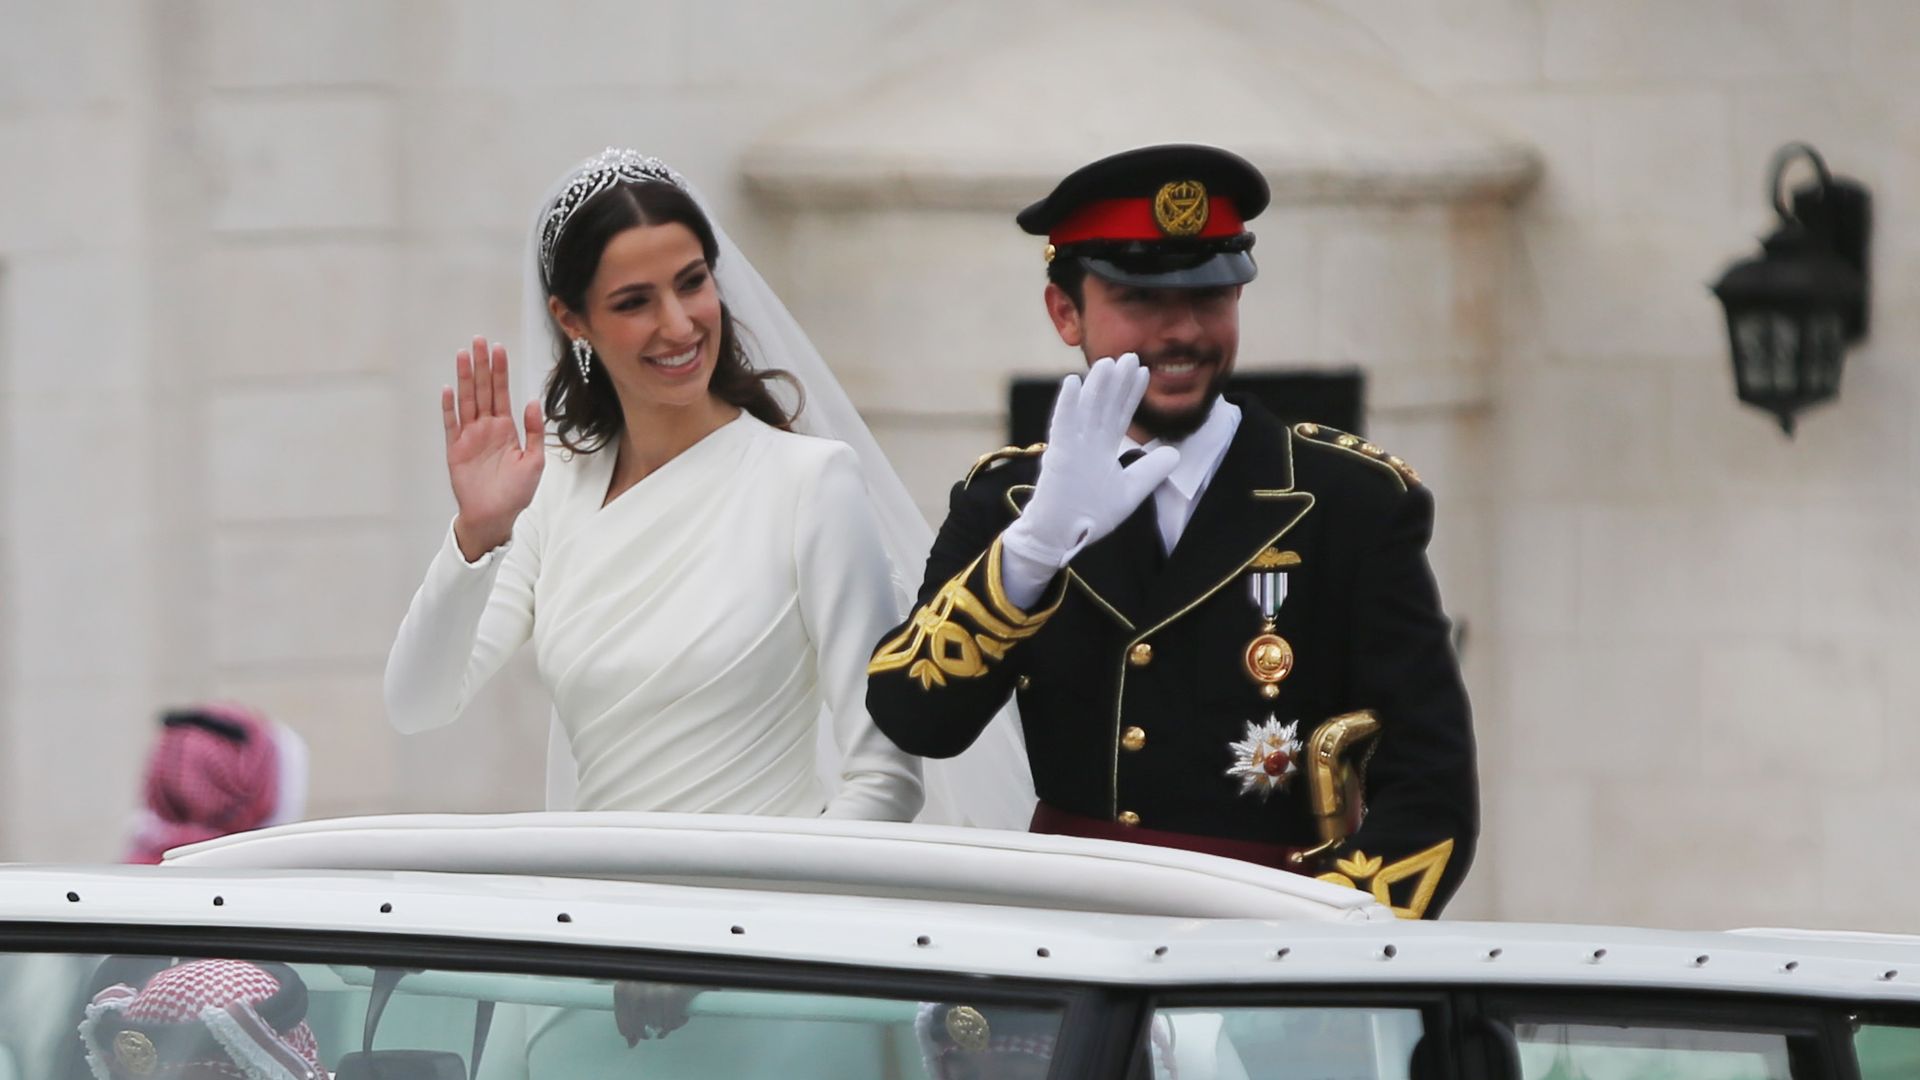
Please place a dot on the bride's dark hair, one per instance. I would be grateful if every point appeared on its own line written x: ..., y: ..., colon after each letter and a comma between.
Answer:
x: 585, y: 413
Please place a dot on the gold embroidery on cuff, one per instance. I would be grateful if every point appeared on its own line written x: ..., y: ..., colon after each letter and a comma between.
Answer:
x: 1375, y: 875
x: 1005, y: 607
x: 959, y: 633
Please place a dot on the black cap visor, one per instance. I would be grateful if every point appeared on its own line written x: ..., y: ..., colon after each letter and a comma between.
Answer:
x: 1192, y: 270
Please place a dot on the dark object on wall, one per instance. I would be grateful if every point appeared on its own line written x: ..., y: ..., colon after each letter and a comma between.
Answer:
x: 1336, y: 399
x: 1793, y: 309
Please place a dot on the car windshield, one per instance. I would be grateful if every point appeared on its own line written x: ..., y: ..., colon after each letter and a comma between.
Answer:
x: 138, y: 1017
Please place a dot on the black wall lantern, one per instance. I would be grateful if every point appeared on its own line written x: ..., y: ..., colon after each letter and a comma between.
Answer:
x: 1792, y: 311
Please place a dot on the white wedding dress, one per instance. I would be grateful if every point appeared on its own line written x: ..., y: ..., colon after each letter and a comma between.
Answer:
x: 689, y: 631
x: 684, y: 680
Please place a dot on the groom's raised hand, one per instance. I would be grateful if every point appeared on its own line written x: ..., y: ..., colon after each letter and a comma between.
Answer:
x: 1083, y: 492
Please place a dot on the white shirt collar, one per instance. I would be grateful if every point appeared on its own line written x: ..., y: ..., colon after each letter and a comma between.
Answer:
x: 1200, y: 452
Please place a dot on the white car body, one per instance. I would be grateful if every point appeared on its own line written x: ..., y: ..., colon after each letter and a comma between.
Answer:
x: 1141, y: 929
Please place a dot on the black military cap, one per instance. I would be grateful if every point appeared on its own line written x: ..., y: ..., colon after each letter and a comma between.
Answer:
x: 1160, y: 216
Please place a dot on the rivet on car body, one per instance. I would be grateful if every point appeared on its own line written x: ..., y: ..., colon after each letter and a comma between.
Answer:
x: 923, y: 941
x: 73, y: 898
x: 1791, y: 966
x: 1701, y: 960
x: 1388, y: 952
x: 739, y: 930
x: 1889, y: 976
x: 564, y: 917
x: 386, y: 909
x: 1598, y: 955
x: 219, y: 901
x: 1160, y: 951
x: 1043, y: 953
x: 1282, y: 953
x: 1494, y: 954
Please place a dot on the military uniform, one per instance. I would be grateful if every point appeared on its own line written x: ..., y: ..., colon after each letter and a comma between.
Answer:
x: 1174, y: 697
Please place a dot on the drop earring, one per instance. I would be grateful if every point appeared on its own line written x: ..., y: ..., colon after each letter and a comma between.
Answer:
x: 583, y: 355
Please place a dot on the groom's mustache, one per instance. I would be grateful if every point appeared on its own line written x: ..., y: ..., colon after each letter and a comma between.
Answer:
x: 1196, y: 353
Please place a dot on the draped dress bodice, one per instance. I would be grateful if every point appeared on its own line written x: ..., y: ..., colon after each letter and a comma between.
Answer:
x: 689, y: 631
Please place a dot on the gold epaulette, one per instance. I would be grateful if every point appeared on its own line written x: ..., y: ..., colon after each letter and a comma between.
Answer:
x: 1005, y: 453
x: 1360, y: 448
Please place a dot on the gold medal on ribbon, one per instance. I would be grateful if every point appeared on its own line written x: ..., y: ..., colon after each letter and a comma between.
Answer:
x: 1269, y: 658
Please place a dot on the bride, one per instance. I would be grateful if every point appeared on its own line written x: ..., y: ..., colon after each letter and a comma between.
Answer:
x: 702, y: 576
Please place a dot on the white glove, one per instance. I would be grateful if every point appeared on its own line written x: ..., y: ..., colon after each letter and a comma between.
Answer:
x: 1083, y: 492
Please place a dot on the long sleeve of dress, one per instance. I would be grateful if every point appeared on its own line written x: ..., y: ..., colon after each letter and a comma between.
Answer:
x: 465, y: 621
x: 847, y: 602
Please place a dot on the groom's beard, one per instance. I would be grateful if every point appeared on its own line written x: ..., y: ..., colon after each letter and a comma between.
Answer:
x: 1175, y: 426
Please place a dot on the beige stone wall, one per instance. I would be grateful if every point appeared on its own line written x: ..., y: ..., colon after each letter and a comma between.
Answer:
x: 239, y: 243
x: 239, y: 240
x: 80, y: 522
x: 1705, y: 711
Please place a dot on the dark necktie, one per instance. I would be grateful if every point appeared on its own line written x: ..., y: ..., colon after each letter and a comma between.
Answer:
x: 1159, y: 557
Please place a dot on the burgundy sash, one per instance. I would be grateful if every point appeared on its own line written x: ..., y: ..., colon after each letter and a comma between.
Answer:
x: 1055, y: 821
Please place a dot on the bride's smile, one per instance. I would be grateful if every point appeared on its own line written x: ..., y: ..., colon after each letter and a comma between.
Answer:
x: 680, y: 362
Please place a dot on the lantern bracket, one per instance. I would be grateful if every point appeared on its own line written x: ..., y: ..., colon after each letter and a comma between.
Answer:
x: 1833, y: 212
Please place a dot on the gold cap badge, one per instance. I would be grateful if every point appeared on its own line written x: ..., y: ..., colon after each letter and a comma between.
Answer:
x: 968, y: 1028
x: 135, y: 1053
x: 1180, y: 208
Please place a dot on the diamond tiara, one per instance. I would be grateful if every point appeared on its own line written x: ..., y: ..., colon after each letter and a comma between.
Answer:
x: 593, y: 176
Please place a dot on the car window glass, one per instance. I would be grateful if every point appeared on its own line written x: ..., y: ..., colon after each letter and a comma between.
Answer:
x: 1886, y: 1052
x: 70, y: 1017
x: 1582, y: 1051
x: 1324, y: 1043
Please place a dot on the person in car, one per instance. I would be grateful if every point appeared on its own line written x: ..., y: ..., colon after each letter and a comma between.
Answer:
x: 697, y: 578
x: 1178, y: 588
x: 204, y: 1020
x: 967, y: 1042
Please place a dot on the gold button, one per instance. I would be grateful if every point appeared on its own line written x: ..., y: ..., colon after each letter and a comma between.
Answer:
x: 1347, y: 441
x: 1128, y: 818
x: 1022, y: 683
x: 1133, y: 738
x: 1141, y: 656
x: 1369, y: 449
x: 1308, y: 430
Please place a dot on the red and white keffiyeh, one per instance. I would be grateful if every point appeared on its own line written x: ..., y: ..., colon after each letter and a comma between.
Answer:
x: 947, y: 1032
x: 205, y: 1015
x: 216, y: 769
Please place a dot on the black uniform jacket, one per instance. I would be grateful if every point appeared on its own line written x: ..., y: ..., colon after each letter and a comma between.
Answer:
x: 1131, y: 672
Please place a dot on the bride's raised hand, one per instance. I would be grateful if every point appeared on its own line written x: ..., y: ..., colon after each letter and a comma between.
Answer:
x: 493, y: 476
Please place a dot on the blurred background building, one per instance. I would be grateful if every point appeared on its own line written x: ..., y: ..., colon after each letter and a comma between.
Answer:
x: 240, y: 241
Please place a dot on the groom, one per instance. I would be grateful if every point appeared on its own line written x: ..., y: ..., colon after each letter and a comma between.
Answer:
x: 1200, y: 609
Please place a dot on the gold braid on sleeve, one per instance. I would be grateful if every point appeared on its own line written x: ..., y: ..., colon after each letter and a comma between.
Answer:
x: 958, y: 635
x: 1371, y: 873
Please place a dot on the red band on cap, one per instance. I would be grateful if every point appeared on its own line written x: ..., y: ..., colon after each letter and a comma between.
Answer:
x: 1132, y: 219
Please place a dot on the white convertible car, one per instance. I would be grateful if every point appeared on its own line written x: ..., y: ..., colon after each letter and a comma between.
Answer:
x: 656, y: 947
